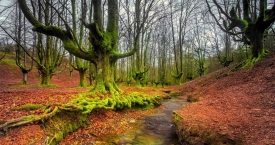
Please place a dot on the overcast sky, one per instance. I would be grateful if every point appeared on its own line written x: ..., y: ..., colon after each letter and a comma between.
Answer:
x: 3, y: 4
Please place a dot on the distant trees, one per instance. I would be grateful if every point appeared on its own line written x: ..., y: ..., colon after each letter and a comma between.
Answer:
x: 222, y: 46
x: 32, y: 47
x: 248, y: 21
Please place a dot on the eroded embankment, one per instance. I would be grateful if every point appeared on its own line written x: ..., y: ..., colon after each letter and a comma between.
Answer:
x: 235, y: 107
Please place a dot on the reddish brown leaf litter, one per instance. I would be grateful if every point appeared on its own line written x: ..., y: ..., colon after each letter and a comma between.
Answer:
x: 31, y: 134
x: 239, y: 104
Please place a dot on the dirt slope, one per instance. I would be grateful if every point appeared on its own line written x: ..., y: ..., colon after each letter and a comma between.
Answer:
x: 239, y: 104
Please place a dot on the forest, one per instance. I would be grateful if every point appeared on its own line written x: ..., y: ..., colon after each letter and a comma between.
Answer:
x: 122, y: 54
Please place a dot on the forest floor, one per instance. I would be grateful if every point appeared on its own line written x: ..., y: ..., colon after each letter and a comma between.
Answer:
x: 240, y: 104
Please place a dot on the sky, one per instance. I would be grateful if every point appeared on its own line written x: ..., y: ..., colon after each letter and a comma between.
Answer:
x: 3, y: 3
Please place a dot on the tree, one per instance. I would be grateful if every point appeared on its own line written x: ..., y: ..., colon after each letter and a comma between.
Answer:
x: 49, y: 54
x: 250, y: 27
x: 179, y: 73
x: 19, y: 56
x: 141, y: 15
x: 199, y: 44
x: 223, y: 56
x: 104, y: 42
x: 79, y: 64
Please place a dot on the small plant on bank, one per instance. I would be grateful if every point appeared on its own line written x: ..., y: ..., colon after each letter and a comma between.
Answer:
x: 193, y: 99
x: 175, y: 94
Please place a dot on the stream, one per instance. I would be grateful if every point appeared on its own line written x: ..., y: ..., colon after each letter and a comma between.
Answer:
x: 156, y: 129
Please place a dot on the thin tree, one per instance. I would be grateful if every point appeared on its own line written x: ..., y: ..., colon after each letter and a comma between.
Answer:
x: 19, y: 56
x: 79, y: 64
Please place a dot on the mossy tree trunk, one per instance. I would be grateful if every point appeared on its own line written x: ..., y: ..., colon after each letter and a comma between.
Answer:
x: 45, y: 77
x: 82, y: 77
x: 256, y: 37
x: 104, y: 77
x: 252, y: 26
x: 137, y: 74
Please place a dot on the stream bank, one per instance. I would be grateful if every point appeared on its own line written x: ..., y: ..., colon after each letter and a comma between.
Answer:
x: 155, y: 129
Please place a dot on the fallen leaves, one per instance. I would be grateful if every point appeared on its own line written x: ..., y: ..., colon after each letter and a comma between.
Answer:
x: 240, y: 105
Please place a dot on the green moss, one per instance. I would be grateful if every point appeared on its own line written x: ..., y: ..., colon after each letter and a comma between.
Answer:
x: 59, y: 136
x: 8, y: 62
x: 114, y: 102
x: 48, y: 85
x: 250, y: 62
x: 51, y: 30
x: 107, y: 39
x: 29, y: 107
x: 63, y: 123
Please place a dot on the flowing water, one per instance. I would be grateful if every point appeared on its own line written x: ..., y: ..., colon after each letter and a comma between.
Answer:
x: 156, y: 129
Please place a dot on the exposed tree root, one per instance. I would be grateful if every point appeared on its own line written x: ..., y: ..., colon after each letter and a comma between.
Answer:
x: 27, y: 119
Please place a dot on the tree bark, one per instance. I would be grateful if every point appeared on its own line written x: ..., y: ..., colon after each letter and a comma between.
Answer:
x: 256, y: 37
x: 45, y: 78
x: 82, y: 77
